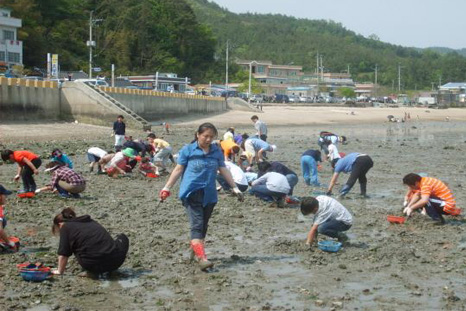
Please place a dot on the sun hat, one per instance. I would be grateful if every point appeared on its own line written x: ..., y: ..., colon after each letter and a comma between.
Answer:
x: 128, y: 152
x: 4, y: 191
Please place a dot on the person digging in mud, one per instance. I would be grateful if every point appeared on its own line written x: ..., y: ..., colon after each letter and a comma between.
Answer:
x: 431, y: 195
x: 95, y: 250
x: 59, y: 156
x: 28, y: 166
x: 331, y: 218
x: 271, y: 187
x: 309, y: 162
x: 65, y: 181
x: 230, y: 149
x: 147, y: 168
x: 163, y: 152
x: 141, y: 149
x: 119, y: 163
x: 238, y: 176
x: 198, y: 163
x: 94, y: 155
x: 357, y: 164
x: 278, y: 167
x: 257, y: 147
x: 3, y: 236
x: 325, y: 138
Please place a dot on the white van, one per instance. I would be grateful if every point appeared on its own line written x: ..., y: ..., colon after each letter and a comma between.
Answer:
x: 97, y: 82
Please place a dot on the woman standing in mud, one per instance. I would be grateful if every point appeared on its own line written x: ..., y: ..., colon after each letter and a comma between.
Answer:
x: 198, y: 164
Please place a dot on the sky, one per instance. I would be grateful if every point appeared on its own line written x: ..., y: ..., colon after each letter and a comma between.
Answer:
x: 411, y: 23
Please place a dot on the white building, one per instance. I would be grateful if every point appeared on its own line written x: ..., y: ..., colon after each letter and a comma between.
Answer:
x: 11, y: 50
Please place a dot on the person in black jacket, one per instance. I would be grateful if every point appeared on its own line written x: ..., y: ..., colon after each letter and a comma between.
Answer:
x: 96, y: 251
x: 119, y: 130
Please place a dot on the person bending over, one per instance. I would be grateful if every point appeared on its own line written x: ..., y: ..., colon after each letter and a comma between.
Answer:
x: 96, y: 251
x: 331, y: 218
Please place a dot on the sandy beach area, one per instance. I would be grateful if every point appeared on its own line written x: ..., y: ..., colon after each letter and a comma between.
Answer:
x: 261, y: 261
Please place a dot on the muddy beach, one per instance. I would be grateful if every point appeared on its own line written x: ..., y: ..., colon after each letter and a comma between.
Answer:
x: 261, y: 261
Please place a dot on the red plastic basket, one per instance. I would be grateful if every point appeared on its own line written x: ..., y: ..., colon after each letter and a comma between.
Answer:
x: 396, y: 219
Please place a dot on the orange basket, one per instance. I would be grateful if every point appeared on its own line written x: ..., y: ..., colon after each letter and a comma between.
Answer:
x: 396, y: 219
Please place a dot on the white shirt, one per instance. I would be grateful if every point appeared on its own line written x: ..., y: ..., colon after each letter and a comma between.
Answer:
x: 261, y: 128
x: 274, y: 182
x: 228, y: 135
x: 115, y: 160
x: 333, y: 152
x: 239, y: 177
x: 97, y: 152
x: 329, y: 208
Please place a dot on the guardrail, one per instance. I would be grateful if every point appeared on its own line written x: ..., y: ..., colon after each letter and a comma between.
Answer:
x: 122, y: 90
x: 28, y: 82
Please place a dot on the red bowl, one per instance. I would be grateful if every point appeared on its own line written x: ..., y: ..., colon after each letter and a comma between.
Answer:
x: 152, y: 175
x: 396, y: 219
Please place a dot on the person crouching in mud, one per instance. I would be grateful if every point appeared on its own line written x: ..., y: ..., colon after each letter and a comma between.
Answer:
x: 198, y: 163
x: 431, y: 195
x: 331, y: 218
x: 96, y: 251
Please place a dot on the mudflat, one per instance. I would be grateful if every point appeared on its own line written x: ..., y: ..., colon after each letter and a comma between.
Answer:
x: 261, y: 261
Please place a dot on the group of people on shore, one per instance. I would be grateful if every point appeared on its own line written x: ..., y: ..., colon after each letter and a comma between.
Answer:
x: 235, y: 164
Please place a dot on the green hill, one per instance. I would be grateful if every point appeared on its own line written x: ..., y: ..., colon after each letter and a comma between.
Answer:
x: 284, y: 39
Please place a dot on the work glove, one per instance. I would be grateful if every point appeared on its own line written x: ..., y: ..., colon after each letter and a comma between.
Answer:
x: 328, y: 193
x: 164, y: 194
x: 238, y: 194
x: 408, y: 211
x: 405, y: 203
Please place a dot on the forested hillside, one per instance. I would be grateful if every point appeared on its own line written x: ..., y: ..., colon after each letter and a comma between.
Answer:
x: 285, y: 40
x: 138, y: 36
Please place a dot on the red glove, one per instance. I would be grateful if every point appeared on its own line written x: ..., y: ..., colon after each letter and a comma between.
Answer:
x: 164, y: 194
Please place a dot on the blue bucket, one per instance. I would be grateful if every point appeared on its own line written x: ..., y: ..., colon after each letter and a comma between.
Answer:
x: 329, y: 246
x: 34, y: 275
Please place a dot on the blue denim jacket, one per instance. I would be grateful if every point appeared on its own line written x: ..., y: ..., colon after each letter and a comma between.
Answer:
x: 200, y: 171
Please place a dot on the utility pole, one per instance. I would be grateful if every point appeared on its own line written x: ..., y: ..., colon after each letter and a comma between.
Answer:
x: 91, y: 43
x: 348, y: 70
x: 399, y: 78
x: 432, y: 85
x: 226, y: 73
x: 317, y: 74
x: 439, y: 81
x: 376, y: 72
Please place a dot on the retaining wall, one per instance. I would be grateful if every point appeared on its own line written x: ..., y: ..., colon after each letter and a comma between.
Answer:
x: 22, y: 100
x: 153, y: 105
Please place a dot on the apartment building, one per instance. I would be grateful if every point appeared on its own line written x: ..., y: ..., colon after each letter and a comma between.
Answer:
x: 11, y: 49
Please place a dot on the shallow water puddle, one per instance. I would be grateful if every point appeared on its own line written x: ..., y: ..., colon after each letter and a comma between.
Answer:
x: 124, y: 278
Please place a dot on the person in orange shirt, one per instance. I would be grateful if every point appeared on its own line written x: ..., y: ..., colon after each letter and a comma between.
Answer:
x: 432, y: 195
x: 28, y: 164
x: 230, y: 149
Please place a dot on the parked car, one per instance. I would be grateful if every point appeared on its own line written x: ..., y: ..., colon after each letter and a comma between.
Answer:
x: 281, y: 98
x: 257, y: 98
x: 302, y: 99
x: 97, y: 82
x: 293, y: 98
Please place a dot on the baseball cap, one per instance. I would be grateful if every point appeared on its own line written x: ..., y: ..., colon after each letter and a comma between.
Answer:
x: 4, y: 191
x: 128, y: 152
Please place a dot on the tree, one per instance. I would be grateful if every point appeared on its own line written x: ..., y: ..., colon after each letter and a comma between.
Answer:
x: 346, y: 92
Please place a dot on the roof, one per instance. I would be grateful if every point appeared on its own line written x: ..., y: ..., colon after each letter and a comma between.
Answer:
x: 454, y: 85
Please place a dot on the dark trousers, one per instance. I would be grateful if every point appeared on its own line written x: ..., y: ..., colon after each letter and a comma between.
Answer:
x: 332, y: 227
x: 358, y: 172
x: 198, y: 214
x: 222, y: 181
x: 262, y: 192
x: 434, y: 208
x: 113, y: 261
x: 27, y: 175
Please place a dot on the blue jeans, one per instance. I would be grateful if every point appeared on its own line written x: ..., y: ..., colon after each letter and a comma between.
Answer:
x: 262, y: 192
x: 332, y: 227
x: 309, y: 168
x: 292, y: 181
x: 198, y: 215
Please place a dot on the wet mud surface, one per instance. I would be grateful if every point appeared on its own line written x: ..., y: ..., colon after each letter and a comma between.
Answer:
x: 261, y: 262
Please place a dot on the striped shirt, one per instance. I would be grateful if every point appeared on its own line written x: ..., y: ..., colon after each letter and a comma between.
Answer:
x: 433, y: 187
x: 67, y: 175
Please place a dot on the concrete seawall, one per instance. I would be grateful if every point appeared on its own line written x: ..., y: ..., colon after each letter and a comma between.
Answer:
x: 22, y: 100
x: 153, y: 105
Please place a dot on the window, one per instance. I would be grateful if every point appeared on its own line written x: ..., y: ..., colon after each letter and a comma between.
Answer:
x: 13, y: 57
x: 260, y: 69
x: 8, y: 35
x: 2, y: 56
